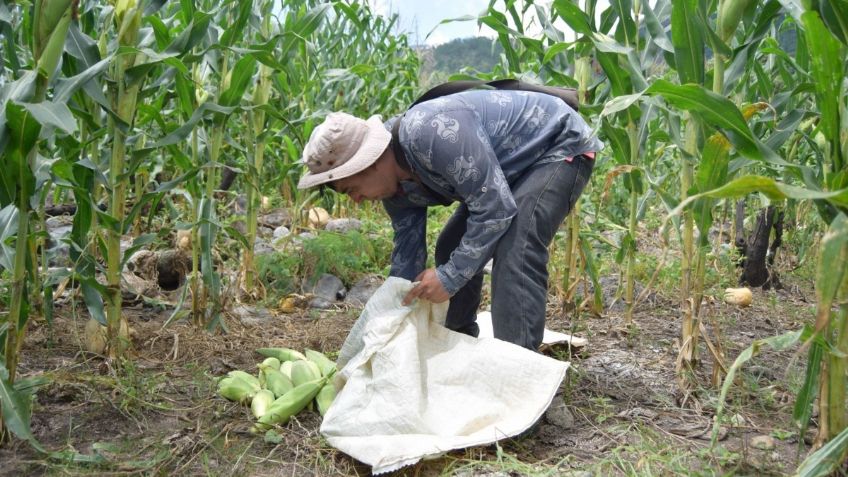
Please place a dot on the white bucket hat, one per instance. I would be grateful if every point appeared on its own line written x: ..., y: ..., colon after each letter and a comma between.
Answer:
x: 342, y: 146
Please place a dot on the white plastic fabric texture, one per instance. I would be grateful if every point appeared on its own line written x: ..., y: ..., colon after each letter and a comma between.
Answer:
x: 412, y: 389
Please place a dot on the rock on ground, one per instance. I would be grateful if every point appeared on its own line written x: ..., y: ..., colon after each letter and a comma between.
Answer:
x: 362, y: 291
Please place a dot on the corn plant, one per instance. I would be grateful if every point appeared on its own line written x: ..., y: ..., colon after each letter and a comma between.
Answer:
x: 27, y: 121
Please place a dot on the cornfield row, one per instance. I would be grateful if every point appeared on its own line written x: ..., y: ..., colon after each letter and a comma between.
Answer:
x: 132, y: 107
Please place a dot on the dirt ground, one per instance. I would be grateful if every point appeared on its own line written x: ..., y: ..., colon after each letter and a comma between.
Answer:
x: 161, y: 416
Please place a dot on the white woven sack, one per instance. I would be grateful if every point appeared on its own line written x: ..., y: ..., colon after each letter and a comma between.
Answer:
x: 413, y: 389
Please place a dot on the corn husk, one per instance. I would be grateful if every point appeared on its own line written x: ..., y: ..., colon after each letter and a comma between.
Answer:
x: 283, y: 354
x: 290, y: 404
x: 325, y: 364
x: 275, y: 381
x: 248, y: 378
x: 261, y: 402
x: 236, y: 389
x: 304, y: 371
x: 271, y: 362
x: 286, y: 369
x: 738, y: 296
x: 325, y: 398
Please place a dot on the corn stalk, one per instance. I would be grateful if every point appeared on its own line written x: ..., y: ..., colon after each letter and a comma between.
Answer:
x: 127, y: 17
x: 49, y: 28
x: 261, y: 93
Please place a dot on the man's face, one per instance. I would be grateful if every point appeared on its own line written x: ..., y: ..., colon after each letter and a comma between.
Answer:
x: 370, y: 184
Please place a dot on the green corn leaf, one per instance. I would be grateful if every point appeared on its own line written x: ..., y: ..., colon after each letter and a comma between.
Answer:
x: 827, y: 459
x: 234, y: 31
x: 138, y: 243
x: 92, y: 295
x: 302, y: 28
x: 66, y: 87
x: 718, y: 111
x: 50, y: 113
x: 828, y: 70
x: 573, y: 16
x: 834, y: 13
x: 242, y: 76
x: 807, y: 394
x: 777, y: 343
x: 16, y: 409
x: 687, y: 36
x: 8, y: 229
x: 192, y: 35
x: 626, y: 26
x: 81, y: 47
x: 833, y: 259
x: 657, y: 31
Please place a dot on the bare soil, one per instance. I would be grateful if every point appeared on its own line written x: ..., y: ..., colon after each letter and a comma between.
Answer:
x: 160, y: 414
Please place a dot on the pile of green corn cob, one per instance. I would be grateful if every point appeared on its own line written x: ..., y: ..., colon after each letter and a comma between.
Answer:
x: 287, y: 383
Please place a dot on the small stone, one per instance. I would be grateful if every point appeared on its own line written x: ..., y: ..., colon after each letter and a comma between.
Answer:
x: 281, y: 231
x: 559, y: 415
x: 329, y: 287
x: 321, y: 303
x: 762, y: 442
x: 275, y: 218
x: 306, y: 236
x: 239, y: 226
x: 737, y: 420
x: 252, y: 314
x: 343, y: 225
x: 241, y: 204
x: 261, y: 247
x: 362, y: 291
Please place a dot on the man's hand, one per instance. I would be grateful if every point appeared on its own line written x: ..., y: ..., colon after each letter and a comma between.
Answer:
x: 429, y: 288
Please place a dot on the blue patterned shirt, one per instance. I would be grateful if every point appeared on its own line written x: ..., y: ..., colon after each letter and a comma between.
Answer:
x: 470, y: 147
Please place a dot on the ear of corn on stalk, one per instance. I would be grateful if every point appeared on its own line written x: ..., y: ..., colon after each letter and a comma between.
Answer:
x: 729, y: 14
x: 283, y: 354
x: 290, y: 404
x: 324, y: 363
x: 261, y: 402
x: 275, y: 381
x: 325, y: 397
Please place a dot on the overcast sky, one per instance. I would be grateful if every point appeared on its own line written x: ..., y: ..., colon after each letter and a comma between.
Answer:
x: 421, y: 16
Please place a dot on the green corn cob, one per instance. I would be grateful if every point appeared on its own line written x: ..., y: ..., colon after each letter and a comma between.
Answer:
x: 283, y: 354
x: 290, y: 404
x: 261, y: 402
x: 324, y: 363
x: 325, y: 397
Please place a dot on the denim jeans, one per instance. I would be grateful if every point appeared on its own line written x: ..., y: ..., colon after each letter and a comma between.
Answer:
x: 544, y: 194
